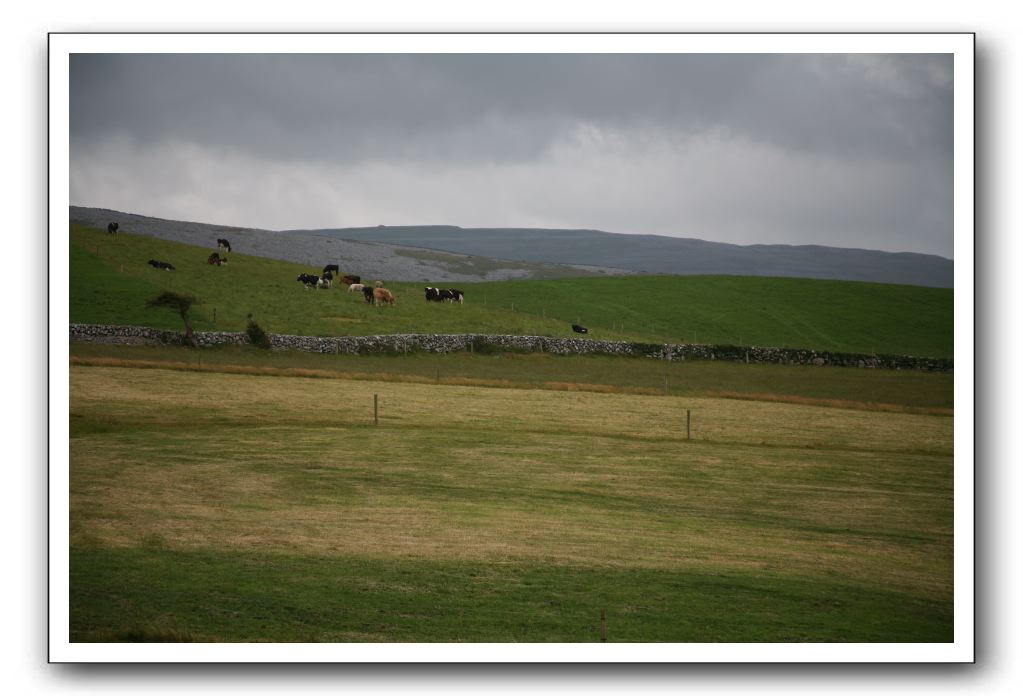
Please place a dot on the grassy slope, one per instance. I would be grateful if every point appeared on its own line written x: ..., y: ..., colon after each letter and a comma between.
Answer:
x: 221, y: 507
x: 824, y: 315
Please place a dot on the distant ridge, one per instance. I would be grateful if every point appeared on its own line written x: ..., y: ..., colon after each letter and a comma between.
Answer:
x: 659, y: 254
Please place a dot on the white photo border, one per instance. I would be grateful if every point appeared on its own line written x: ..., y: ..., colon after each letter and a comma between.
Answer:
x: 960, y: 45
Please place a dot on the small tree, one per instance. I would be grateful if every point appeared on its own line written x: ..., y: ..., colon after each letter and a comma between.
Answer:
x: 256, y: 334
x: 179, y: 303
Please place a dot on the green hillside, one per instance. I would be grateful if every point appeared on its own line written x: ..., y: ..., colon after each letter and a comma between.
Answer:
x: 110, y: 282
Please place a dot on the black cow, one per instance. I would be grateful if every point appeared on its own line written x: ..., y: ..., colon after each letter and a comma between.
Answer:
x: 224, y: 244
x: 367, y: 292
x: 580, y: 329
x: 112, y: 228
x: 332, y: 268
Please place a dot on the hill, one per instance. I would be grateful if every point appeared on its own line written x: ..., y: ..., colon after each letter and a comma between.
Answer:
x: 110, y: 282
x: 372, y: 258
x: 658, y: 254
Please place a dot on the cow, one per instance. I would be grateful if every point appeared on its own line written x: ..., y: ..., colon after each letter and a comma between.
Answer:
x: 381, y: 295
x: 216, y: 259
x: 367, y: 293
x: 310, y: 281
x: 356, y: 287
x: 223, y: 245
x: 327, y: 278
x: 350, y: 279
x: 444, y: 295
x: 580, y: 329
x: 331, y: 268
x: 112, y: 228
x: 160, y: 265
x: 378, y: 284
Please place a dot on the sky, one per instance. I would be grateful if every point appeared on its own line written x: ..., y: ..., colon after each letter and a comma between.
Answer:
x: 849, y: 150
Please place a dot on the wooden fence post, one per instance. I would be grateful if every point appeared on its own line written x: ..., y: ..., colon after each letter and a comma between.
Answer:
x: 688, y: 419
x: 376, y: 420
x: 603, y: 627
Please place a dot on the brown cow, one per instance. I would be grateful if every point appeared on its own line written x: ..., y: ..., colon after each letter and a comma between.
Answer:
x: 382, y: 295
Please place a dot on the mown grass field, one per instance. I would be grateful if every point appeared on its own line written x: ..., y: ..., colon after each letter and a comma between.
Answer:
x: 211, y: 506
x: 110, y: 282
x: 899, y: 391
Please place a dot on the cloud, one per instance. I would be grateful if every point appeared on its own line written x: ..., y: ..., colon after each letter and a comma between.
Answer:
x: 842, y: 150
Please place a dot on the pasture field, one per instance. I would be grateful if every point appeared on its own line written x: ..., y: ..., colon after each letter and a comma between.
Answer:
x: 211, y: 506
x: 110, y: 282
x: 892, y: 390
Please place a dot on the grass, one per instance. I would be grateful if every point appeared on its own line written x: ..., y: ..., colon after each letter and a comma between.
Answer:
x: 846, y: 387
x: 226, y: 507
x: 111, y: 281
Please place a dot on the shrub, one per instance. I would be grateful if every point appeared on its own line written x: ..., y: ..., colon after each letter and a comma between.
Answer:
x: 256, y: 335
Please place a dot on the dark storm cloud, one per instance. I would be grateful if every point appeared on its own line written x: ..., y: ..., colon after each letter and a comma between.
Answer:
x: 781, y: 148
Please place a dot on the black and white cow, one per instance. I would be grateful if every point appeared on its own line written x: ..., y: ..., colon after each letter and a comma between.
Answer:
x: 580, y: 329
x: 112, y: 228
x: 216, y: 259
x: 162, y: 265
x: 444, y: 295
x: 224, y: 245
x: 310, y: 281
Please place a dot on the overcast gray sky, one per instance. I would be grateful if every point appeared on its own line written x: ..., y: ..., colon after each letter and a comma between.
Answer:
x: 842, y: 150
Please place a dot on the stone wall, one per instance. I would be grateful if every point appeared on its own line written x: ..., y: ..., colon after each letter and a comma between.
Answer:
x: 489, y: 343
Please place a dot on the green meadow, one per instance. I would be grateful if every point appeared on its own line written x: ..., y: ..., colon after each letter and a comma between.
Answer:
x: 110, y: 282
x: 208, y: 506
x: 233, y: 494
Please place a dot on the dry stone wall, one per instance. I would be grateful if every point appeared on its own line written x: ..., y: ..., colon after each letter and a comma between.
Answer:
x: 490, y: 343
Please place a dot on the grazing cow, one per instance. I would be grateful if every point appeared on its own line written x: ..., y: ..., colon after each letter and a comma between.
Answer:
x: 224, y: 245
x: 367, y: 293
x: 112, y: 228
x: 356, y: 287
x: 310, y: 281
x: 216, y: 259
x: 580, y: 329
x: 378, y: 284
x: 382, y: 295
x: 161, y: 265
x: 325, y: 280
x: 331, y: 267
x: 444, y: 295
x: 350, y: 279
